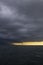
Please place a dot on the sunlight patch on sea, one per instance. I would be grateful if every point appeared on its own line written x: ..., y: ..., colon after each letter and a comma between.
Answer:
x: 28, y: 43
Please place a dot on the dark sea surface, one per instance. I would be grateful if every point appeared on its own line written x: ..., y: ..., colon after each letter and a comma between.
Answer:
x: 21, y: 55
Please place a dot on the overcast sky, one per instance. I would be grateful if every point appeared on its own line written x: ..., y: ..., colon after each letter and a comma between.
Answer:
x: 21, y: 19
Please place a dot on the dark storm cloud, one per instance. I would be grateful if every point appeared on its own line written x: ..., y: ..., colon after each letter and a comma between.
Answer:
x: 21, y: 19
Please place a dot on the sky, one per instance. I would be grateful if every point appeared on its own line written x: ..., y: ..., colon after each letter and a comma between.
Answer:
x: 21, y: 20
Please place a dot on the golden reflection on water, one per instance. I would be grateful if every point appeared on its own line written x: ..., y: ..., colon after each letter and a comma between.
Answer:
x: 29, y: 43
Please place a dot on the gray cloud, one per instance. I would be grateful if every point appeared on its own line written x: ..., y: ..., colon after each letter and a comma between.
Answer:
x: 21, y: 19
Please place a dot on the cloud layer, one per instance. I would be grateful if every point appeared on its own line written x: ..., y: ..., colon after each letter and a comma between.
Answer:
x: 21, y: 19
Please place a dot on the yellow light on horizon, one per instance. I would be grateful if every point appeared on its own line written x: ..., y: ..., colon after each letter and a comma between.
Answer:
x: 29, y: 43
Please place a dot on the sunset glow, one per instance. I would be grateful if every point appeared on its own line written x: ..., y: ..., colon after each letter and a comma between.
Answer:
x: 29, y: 43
